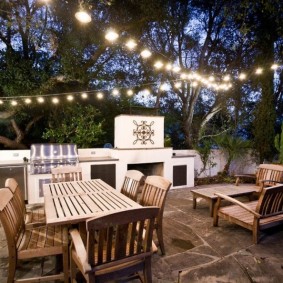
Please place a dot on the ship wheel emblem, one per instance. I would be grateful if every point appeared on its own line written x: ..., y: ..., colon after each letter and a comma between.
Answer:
x: 143, y: 132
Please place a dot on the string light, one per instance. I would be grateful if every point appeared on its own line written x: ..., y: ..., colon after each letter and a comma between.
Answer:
x: 55, y: 100
x: 40, y: 99
x: 111, y: 35
x: 131, y: 44
x: 158, y: 65
x: 274, y: 67
x: 259, y: 71
x: 115, y: 92
x: 83, y: 16
x: 99, y: 95
x: 145, y: 53
x: 242, y: 76
x: 130, y: 92
x: 70, y: 97
x: 194, y: 78
x: 84, y: 95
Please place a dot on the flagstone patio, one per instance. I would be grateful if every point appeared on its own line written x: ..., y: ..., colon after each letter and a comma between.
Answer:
x: 195, y: 250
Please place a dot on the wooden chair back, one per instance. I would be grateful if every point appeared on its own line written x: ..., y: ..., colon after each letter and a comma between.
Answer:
x: 66, y: 174
x: 131, y: 184
x: 14, y: 187
x: 270, y: 201
x: 30, y: 243
x: 117, y: 246
x: 34, y: 215
x: 154, y: 193
x: 272, y: 174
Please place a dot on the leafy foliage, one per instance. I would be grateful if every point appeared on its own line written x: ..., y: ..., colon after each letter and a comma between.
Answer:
x: 78, y: 124
x: 234, y: 147
x: 278, y: 142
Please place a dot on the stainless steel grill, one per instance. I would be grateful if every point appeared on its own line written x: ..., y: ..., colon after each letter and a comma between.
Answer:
x: 45, y: 156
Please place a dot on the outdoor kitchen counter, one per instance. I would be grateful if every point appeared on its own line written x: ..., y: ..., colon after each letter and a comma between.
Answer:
x: 182, y: 155
x: 96, y: 159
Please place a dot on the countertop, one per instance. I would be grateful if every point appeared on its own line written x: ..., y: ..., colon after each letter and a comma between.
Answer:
x: 96, y: 159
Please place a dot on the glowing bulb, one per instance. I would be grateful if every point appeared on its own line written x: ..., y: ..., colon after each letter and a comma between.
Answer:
x: 70, y: 98
x: 145, y: 53
x: 259, y: 71
x: 83, y: 17
x: 111, y: 35
x: 242, y: 76
x: 194, y: 84
x: 131, y: 44
x: 40, y: 99
x: 226, y: 78
x: 211, y: 79
x: 274, y: 67
x: 1, y: 102
x: 168, y: 67
x: 183, y: 76
x: 178, y: 85
x: 158, y: 65
x: 130, y: 92
x: 28, y: 101
x: 146, y: 92
x: 55, y: 100
x: 14, y: 102
x: 84, y: 95
x: 99, y: 95
x: 176, y: 69
x: 115, y: 92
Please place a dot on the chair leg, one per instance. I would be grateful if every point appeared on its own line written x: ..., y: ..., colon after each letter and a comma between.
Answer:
x: 66, y: 264
x: 160, y: 238
x: 147, y: 275
x: 72, y: 267
x: 12, y: 269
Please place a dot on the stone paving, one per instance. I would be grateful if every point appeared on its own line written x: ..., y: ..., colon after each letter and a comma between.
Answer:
x: 195, y: 250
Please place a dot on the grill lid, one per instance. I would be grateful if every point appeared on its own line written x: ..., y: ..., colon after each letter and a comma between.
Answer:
x: 45, y: 156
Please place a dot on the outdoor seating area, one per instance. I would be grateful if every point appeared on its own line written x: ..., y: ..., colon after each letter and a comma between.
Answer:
x: 196, y: 251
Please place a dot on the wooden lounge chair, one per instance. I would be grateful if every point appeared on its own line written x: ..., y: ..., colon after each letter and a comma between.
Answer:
x: 255, y: 215
x: 154, y: 193
x: 27, y: 244
x: 34, y: 215
x: 131, y: 184
x: 117, y: 246
x: 267, y: 175
x: 66, y: 174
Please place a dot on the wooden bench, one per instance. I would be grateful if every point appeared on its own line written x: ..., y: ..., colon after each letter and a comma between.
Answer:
x: 256, y: 216
x: 267, y: 175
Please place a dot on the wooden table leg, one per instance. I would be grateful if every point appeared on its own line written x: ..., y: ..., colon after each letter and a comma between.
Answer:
x: 194, y: 201
x: 211, y: 207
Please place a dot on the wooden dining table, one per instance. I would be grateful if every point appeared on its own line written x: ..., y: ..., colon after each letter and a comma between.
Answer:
x: 74, y: 202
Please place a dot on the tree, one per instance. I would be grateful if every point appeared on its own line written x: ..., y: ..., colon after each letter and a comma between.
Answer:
x: 233, y: 147
x: 76, y: 124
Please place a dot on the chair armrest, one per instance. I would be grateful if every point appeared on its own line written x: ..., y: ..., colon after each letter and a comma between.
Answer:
x: 79, y: 247
x: 270, y: 181
x: 252, y: 176
x: 234, y: 201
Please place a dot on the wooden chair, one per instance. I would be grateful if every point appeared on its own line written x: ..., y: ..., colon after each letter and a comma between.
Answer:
x: 66, y: 174
x: 117, y: 246
x: 154, y: 193
x: 24, y: 244
x: 256, y: 216
x: 33, y: 215
x: 267, y: 175
x: 131, y: 184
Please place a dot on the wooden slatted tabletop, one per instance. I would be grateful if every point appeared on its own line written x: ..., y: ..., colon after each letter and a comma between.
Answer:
x: 74, y: 202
